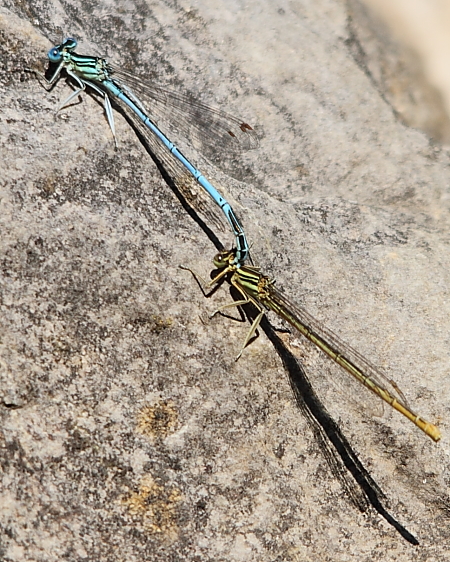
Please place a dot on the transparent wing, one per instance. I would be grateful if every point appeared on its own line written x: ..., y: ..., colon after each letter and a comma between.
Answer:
x: 193, y: 193
x: 210, y: 130
x: 261, y: 288
x: 334, y: 345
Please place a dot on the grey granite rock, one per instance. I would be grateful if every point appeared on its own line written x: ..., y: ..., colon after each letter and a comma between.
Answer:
x: 128, y: 431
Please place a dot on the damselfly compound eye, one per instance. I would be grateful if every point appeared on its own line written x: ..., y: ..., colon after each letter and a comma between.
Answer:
x: 70, y: 43
x: 54, y: 55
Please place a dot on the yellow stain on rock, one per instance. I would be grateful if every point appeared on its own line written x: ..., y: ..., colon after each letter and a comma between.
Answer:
x: 155, y: 506
x: 158, y: 420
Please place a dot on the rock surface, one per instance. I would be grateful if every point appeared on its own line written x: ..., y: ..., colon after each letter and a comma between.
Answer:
x: 128, y: 431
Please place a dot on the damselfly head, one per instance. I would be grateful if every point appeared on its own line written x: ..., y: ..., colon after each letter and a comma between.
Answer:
x: 69, y: 44
x: 224, y: 258
x: 56, y: 53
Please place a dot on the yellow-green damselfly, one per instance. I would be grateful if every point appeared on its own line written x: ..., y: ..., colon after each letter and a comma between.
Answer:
x: 260, y: 290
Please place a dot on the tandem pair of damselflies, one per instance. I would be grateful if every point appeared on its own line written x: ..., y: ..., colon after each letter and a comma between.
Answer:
x: 255, y: 287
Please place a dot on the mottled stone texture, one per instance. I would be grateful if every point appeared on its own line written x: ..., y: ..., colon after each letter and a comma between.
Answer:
x: 128, y: 431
